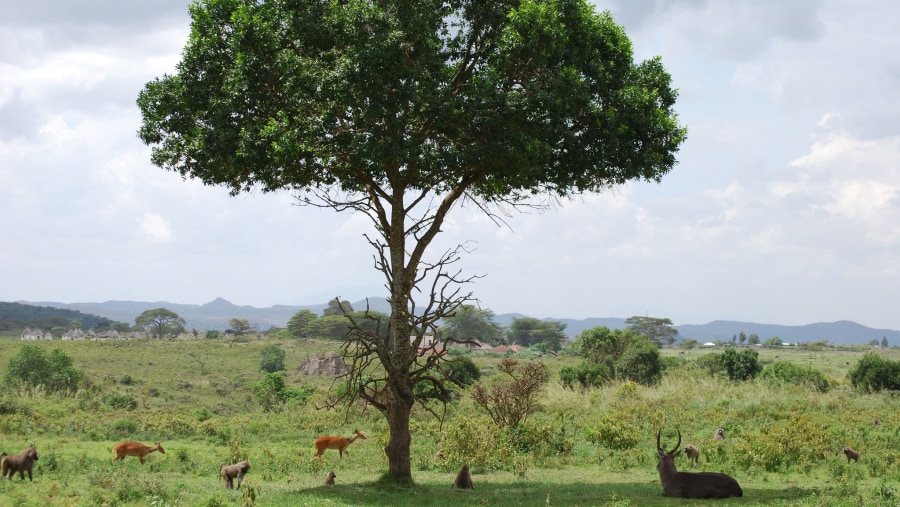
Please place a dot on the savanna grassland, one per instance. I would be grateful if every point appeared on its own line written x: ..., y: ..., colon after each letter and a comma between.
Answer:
x: 592, y: 447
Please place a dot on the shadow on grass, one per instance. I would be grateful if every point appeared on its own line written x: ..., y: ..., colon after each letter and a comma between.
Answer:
x: 532, y: 493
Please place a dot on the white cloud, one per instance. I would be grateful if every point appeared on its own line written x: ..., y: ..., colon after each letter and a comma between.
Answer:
x: 155, y: 229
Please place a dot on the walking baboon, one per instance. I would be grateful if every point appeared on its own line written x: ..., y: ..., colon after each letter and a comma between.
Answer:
x: 329, y: 479
x: 851, y: 454
x: 22, y: 462
x: 231, y: 472
x: 692, y: 453
x: 464, y: 478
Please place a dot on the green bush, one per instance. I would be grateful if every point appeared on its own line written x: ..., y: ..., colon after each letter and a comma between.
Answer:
x: 787, y: 373
x: 613, y: 355
x: 740, y: 366
x: 874, y: 373
x: 613, y: 434
x: 271, y: 359
x: 119, y: 401
x: 34, y: 367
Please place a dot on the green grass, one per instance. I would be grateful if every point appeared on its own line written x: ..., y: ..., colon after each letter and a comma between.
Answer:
x: 783, y: 442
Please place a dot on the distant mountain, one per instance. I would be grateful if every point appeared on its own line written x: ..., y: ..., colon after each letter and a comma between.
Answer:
x: 217, y: 313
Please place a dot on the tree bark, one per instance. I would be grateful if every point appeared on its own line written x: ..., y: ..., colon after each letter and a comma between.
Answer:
x: 397, y: 450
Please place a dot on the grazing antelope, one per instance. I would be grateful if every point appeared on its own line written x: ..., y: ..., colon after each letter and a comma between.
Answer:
x: 851, y: 454
x: 21, y: 462
x: 129, y: 448
x: 692, y: 484
x: 720, y: 434
x: 340, y: 443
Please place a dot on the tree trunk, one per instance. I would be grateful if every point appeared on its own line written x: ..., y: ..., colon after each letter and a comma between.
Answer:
x: 397, y: 450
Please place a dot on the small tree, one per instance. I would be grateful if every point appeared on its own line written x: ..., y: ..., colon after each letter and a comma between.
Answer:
x: 297, y: 324
x: 240, y: 327
x: 161, y: 322
x: 334, y: 308
x: 511, y: 403
x: 618, y: 354
x: 884, y: 342
x: 874, y: 373
x: 659, y: 331
x: 472, y: 323
x: 33, y: 367
x: 271, y: 358
x: 773, y: 343
x: 528, y: 331
x: 743, y: 365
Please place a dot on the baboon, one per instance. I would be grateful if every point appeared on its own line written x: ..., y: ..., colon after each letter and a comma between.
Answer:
x: 464, y: 478
x: 22, y: 462
x: 329, y: 479
x: 720, y: 434
x: 231, y: 472
x: 851, y: 454
x: 692, y: 453
x: 874, y: 422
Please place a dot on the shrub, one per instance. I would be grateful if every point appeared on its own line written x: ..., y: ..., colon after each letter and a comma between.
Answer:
x: 272, y: 359
x: 33, y: 367
x: 271, y: 392
x: 613, y: 434
x: 465, y: 443
x: 510, y: 404
x: 613, y: 355
x: 120, y: 401
x: 784, y: 372
x: 874, y: 373
x: 743, y: 365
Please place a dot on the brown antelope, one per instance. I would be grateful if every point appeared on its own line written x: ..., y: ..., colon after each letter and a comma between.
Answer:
x: 692, y: 484
x: 129, y: 448
x: 340, y: 443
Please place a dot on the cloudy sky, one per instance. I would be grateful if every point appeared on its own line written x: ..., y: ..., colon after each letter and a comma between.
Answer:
x: 783, y: 208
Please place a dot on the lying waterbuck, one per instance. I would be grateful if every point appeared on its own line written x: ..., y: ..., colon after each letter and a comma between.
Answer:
x: 692, y: 484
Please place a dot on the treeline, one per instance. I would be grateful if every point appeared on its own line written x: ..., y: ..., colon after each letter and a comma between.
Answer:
x: 16, y: 317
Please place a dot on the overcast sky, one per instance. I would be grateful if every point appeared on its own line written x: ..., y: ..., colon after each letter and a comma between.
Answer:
x: 783, y: 208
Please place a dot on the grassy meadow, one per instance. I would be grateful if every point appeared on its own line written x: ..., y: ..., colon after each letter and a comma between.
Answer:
x: 586, y: 448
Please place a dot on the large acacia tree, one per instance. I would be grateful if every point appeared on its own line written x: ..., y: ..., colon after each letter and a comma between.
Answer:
x: 401, y: 110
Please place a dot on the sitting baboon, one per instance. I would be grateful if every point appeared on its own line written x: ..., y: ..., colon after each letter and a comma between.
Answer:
x: 464, y: 478
x: 329, y: 479
x: 720, y: 434
x: 692, y: 453
x: 874, y: 422
x: 851, y: 454
x: 231, y: 472
x: 22, y: 462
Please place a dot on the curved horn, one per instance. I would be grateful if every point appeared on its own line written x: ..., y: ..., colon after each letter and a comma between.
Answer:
x: 678, y: 444
x: 658, y: 448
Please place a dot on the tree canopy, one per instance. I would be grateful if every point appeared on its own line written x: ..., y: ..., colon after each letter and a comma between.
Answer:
x: 161, y: 322
x: 401, y: 111
x: 472, y: 323
x: 659, y: 331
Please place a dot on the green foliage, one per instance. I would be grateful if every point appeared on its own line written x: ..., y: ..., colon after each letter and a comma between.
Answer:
x: 119, y: 401
x: 17, y: 316
x: 874, y: 373
x: 613, y: 434
x: 272, y: 393
x: 213, y: 334
x: 788, y: 373
x: 613, y: 355
x: 798, y: 442
x: 271, y: 358
x: 773, y: 343
x: 472, y: 323
x: 528, y: 331
x: 462, y: 371
x: 740, y: 366
x: 33, y: 367
x: 240, y: 327
x: 476, y: 441
x: 161, y: 322
x: 657, y: 330
x: 298, y: 322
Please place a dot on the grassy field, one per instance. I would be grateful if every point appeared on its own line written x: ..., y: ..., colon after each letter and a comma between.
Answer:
x: 784, y: 442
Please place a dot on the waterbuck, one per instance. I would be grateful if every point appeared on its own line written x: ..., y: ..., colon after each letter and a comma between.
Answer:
x: 692, y: 484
